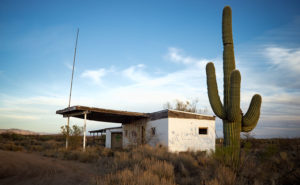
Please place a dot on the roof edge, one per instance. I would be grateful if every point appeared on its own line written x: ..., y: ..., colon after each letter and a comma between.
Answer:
x: 170, y: 113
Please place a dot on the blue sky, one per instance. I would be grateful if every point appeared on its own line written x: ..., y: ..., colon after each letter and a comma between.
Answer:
x: 137, y: 55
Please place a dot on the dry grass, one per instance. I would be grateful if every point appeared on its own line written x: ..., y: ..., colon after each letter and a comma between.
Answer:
x: 34, y: 169
x: 263, y: 161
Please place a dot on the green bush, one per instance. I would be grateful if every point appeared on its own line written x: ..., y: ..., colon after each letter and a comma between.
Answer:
x: 73, y: 134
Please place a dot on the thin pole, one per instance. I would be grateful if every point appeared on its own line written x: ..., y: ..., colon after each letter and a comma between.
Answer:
x: 68, y: 132
x: 84, y: 130
x: 73, y: 68
x: 68, y: 122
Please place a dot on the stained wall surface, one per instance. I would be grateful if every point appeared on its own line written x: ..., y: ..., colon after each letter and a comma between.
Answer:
x: 132, y: 133
x: 160, y: 137
x: 177, y: 134
x: 183, y: 135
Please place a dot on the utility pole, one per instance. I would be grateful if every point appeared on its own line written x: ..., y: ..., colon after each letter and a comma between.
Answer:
x: 68, y: 122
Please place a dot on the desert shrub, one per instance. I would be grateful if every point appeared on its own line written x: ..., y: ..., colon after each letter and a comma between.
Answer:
x: 11, y: 147
x: 158, y: 152
x: 59, y: 138
x: 52, y: 153
x: 162, y: 169
x: 12, y: 136
x: 262, y: 161
x: 73, y: 134
x: 90, y: 155
x: 105, y: 152
x: 50, y: 144
x: 189, y: 162
x: 225, y: 175
x: 35, y: 148
x: 137, y: 176
x: 269, y: 151
x: 71, y: 155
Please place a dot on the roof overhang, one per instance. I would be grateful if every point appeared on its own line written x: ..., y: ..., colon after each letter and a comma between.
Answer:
x: 99, y: 114
x: 169, y: 113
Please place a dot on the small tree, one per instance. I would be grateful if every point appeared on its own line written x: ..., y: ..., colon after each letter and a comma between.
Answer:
x: 187, y: 106
x: 74, y: 134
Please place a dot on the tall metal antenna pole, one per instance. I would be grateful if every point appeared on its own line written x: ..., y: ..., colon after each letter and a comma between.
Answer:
x: 73, y: 68
x: 68, y: 127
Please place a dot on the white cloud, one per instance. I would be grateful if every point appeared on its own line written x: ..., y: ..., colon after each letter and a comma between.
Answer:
x: 176, y: 55
x: 19, y: 117
x: 146, y: 91
x: 95, y: 75
x: 136, y: 73
x: 9, y: 101
x: 68, y: 65
x: 284, y: 59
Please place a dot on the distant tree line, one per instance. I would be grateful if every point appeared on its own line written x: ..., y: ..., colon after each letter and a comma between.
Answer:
x: 187, y: 106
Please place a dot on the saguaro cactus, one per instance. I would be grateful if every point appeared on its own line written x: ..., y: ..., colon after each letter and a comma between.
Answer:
x: 234, y: 121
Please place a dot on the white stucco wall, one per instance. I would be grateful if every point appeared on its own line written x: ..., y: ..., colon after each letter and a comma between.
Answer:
x: 183, y: 135
x: 177, y: 134
x: 161, y: 132
x: 160, y: 137
x: 108, y: 136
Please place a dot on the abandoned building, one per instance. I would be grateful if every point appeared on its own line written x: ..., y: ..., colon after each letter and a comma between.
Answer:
x: 176, y: 130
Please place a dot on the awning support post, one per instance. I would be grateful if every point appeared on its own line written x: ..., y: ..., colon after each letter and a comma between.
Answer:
x: 68, y: 132
x: 84, y: 130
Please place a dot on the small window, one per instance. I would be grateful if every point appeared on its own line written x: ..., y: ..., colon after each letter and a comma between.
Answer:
x: 153, y: 131
x: 126, y: 133
x: 202, y: 131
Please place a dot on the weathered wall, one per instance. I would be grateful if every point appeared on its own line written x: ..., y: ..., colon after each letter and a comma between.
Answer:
x: 177, y: 134
x: 134, y: 132
x: 183, y: 135
x: 108, y: 136
x: 161, y: 132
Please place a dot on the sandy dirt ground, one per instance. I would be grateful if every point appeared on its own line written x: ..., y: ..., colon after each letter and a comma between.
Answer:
x: 32, y: 169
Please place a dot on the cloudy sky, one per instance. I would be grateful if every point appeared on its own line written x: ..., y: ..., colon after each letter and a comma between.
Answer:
x: 137, y: 55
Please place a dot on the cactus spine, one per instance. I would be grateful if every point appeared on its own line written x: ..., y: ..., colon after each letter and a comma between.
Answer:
x: 233, y: 119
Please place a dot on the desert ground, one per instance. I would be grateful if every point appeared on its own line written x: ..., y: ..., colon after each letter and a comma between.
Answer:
x: 43, y: 160
x: 32, y: 168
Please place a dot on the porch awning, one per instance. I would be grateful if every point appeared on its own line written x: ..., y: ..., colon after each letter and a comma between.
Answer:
x: 99, y: 114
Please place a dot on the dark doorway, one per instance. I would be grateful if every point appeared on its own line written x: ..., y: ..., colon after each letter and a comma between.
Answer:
x: 116, y: 140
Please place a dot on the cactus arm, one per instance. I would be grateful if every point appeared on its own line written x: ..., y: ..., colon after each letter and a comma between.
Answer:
x: 228, y: 53
x: 250, y: 119
x: 212, y: 89
x: 234, y: 113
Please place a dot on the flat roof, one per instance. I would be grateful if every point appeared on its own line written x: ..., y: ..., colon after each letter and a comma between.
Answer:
x: 100, y: 114
x: 117, y: 116
x: 169, y: 113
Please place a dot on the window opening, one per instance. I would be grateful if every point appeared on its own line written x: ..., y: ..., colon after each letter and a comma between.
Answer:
x: 202, y: 131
